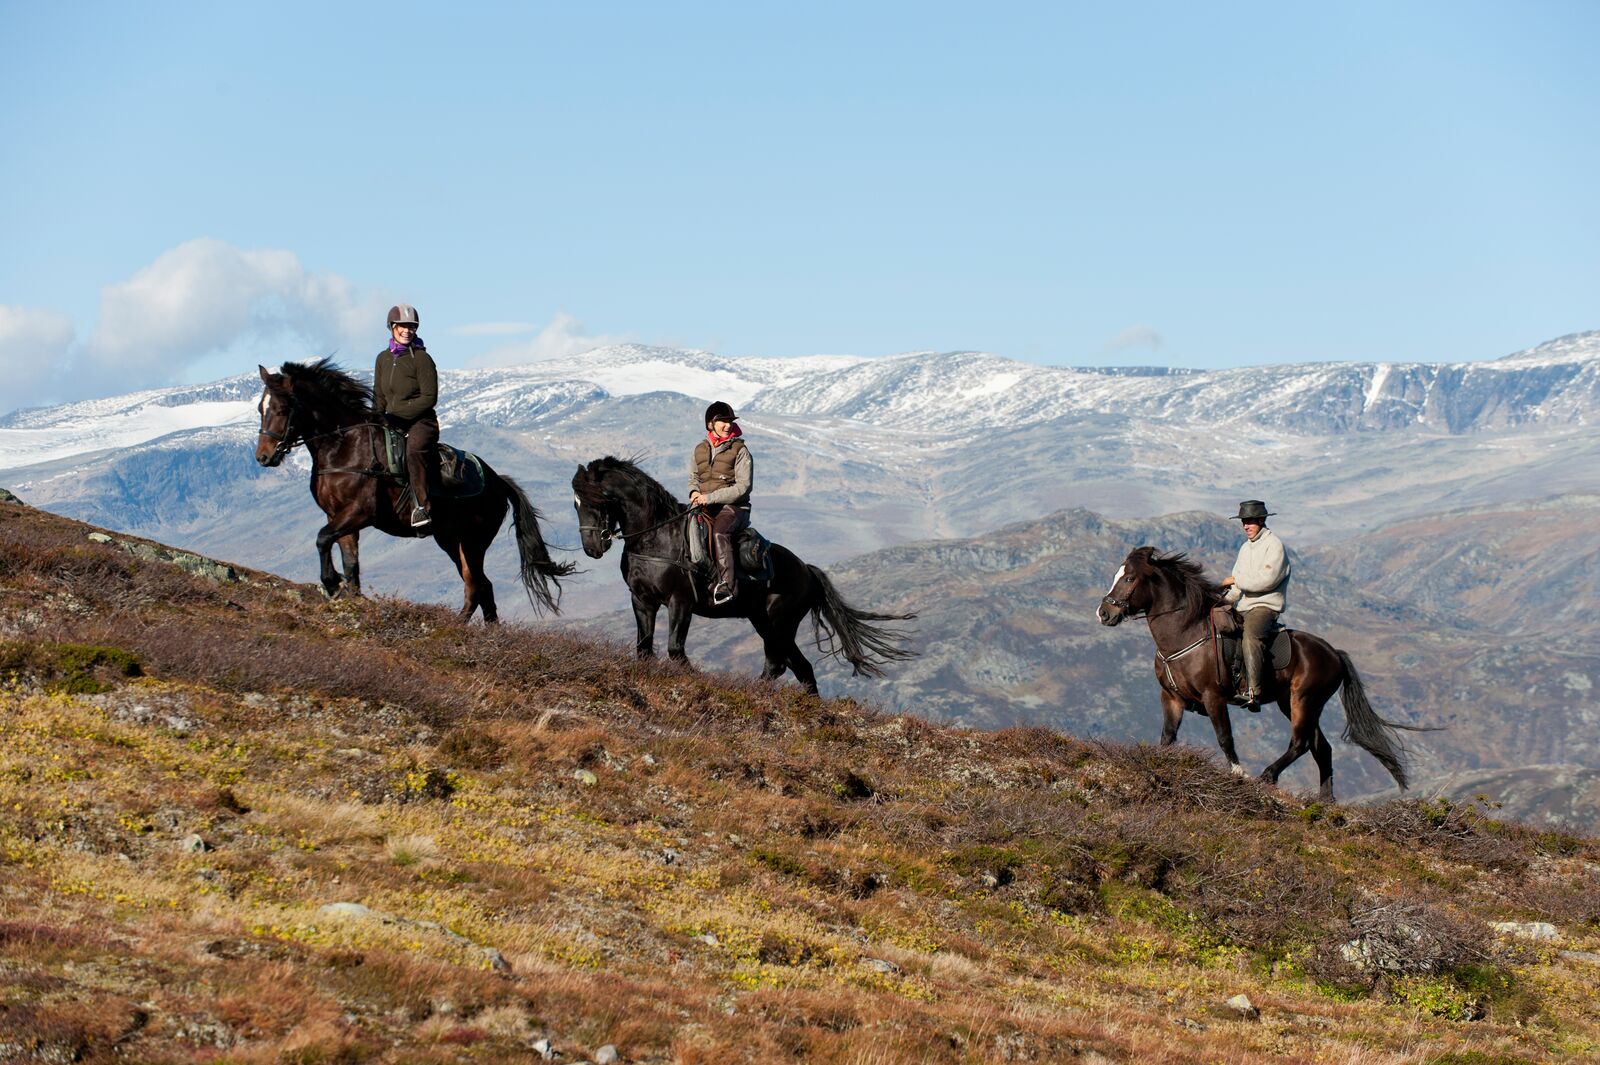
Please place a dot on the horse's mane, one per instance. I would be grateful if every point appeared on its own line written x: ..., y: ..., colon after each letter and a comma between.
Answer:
x: 324, y: 389
x: 624, y: 477
x: 1186, y: 579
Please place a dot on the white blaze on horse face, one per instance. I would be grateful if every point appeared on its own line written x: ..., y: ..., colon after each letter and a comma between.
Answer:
x: 1114, y: 581
x: 576, y: 502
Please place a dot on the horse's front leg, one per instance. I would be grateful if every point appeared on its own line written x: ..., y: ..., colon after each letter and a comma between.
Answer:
x: 350, y: 553
x: 644, y: 619
x: 326, y: 536
x: 680, y: 611
x: 1217, y: 710
x: 1172, y: 707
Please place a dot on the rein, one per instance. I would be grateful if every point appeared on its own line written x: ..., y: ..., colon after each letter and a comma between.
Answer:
x: 614, y: 532
x: 290, y: 439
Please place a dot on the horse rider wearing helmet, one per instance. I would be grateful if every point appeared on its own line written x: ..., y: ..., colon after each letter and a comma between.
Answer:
x: 405, y: 387
x: 720, y: 477
x: 1256, y: 589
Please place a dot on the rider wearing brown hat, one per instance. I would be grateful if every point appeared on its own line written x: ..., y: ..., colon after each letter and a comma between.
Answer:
x: 1256, y: 589
x: 720, y: 477
x: 405, y: 388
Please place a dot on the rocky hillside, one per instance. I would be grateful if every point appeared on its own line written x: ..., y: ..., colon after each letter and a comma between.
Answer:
x: 239, y: 823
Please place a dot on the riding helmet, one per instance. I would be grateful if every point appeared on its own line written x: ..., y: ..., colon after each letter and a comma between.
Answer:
x: 721, y: 410
x: 402, y: 314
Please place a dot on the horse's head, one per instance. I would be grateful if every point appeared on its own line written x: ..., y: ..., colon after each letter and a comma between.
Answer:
x: 597, y: 512
x: 1132, y: 589
x: 276, y: 407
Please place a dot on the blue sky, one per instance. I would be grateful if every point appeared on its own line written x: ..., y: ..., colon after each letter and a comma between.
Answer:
x: 188, y: 189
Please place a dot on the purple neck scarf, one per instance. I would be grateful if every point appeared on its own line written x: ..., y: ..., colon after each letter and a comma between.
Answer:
x: 398, y: 349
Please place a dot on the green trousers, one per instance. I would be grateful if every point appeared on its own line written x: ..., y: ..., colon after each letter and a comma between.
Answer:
x: 1256, y: 623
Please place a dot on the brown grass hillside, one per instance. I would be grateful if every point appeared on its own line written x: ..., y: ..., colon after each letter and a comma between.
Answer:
x: 543, y: 845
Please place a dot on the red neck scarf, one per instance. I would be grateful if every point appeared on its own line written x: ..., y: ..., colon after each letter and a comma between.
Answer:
x: 718, y: 441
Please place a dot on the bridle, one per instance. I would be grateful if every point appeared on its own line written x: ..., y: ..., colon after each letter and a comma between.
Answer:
x: 612, y: 530
x: 1129, y: 613
x: 292, y: 438
x: 285, y: 440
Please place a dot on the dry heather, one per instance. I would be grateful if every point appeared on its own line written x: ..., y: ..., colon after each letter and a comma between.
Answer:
x: 537, y: 838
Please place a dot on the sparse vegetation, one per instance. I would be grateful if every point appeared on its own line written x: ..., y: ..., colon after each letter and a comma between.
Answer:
x: 254, y: 826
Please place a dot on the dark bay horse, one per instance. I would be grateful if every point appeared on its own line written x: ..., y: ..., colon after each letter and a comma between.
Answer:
x: 321, y: 406
x: 616, y: 500
x: 1173, y: 593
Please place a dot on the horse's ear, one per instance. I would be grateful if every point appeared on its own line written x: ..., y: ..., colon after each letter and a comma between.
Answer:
x: 1140, y: 556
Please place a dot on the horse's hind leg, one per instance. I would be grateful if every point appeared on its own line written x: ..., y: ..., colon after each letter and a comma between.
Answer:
x: 1303, y: 733
x: 469, y: 589
x: 472, y: 554
x: 772, y: 646
x: 350, y: 553
x: 1322, y: 753
x: 785, y: 629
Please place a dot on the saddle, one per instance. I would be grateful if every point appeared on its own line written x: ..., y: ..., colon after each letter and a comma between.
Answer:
x: 1229, y: 646
x: 752, y: 552
x: 460, y: 472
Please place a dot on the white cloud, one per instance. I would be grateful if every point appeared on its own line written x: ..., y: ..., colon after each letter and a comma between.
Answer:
x: 563, y: 336
x: 205, y: 296
x: 493, y: 329
x: 34, y: 346
x: 1136, y: 336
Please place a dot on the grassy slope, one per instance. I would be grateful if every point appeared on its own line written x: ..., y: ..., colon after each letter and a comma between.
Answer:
x: 692, y: 867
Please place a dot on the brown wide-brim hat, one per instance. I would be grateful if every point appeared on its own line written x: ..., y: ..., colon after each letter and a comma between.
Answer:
x: 1253, y: 510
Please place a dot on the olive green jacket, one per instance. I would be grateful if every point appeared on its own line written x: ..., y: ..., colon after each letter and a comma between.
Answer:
x: 406, y: 386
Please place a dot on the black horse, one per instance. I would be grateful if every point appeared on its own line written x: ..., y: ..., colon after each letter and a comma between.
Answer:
x: 616, y: 500
x: 329, y: 411
x: 1173, y: 593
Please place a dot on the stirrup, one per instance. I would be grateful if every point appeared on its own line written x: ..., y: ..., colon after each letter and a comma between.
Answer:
x: 721, y: 594
x: 420, y: 517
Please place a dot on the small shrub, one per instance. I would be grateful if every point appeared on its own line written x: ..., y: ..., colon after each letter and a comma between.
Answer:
x: 74, y: 668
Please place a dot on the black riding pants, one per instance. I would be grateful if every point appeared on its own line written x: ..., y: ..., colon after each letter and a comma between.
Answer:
x: 422, y: 453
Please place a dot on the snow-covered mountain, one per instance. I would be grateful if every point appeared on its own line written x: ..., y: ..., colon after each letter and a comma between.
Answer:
x: 1555, y: 383
x: 857, y: 454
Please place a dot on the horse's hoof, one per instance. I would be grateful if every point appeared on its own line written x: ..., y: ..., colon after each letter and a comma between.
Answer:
x: 1238, y: 770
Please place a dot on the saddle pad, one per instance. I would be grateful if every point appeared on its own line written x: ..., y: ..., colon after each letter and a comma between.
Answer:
x: 460, y: 473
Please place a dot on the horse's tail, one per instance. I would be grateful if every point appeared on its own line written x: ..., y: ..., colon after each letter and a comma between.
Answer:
x: 852, y: 633
x: 1364, y: 728
x: 537, y: 571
